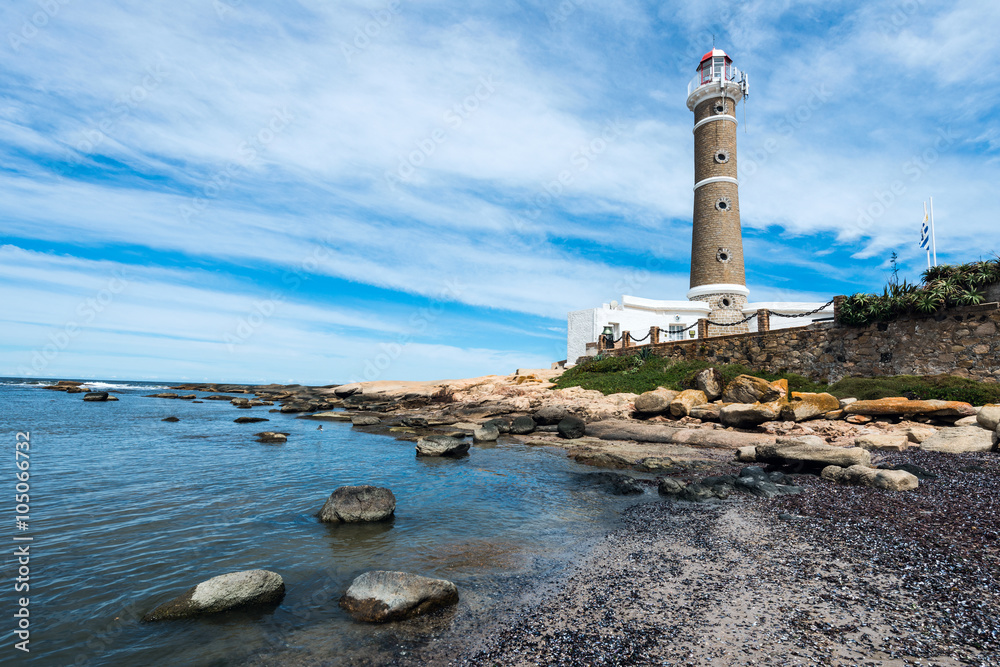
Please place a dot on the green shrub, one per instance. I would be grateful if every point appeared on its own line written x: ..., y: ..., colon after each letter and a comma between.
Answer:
x: 943, y: 287
x: 922, y: 387
x: 639, y: 373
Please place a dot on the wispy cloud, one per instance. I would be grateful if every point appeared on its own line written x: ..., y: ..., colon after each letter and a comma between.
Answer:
x: 397, y: 149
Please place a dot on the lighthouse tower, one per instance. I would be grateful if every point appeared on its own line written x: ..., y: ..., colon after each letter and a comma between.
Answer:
x: 717, y: 274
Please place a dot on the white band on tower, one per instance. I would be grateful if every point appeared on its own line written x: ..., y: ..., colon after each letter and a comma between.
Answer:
x: 701, y: 122
x: 716, y: 179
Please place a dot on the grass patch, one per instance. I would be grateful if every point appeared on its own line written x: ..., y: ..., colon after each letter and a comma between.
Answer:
x: 638, y: 373
x: 923, y: 387
x: 633, y: 374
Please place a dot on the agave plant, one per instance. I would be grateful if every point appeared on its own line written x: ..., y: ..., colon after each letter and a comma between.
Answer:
x: 970, y: 297
x: 927, y: 302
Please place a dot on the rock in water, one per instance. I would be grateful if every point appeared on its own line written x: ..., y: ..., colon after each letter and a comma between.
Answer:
x: 959, y: 439
x: 357, y: 504
x: 441, y: 445
x: 271, y: 436
x: 522, y: 426
x: 365, y: 420
x: 229, y: 591
x: 170, y: 419
x: 250, y: 420
x: 857, y: 475
x: 710, y: 381
x: 380, y: 596
x: 502, y: 425
x: 486, y: 434
x: 96, y: 396
x: 572, y: 428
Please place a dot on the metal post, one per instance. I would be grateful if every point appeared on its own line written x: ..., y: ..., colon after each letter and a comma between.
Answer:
x: 933, y: 237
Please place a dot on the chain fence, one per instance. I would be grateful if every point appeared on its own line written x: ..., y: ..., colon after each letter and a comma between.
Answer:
x: 770, y: 312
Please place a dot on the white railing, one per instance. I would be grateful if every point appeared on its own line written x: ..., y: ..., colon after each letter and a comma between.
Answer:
x: 732, y: 74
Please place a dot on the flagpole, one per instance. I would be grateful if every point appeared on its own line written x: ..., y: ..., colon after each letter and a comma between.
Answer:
x: 928, y: 245
x: 933, y: 238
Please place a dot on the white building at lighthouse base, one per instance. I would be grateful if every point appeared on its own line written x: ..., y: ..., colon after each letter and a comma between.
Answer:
x: 677, y: 320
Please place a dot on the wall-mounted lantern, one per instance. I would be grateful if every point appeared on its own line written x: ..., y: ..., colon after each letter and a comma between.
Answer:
x: 609, y: 336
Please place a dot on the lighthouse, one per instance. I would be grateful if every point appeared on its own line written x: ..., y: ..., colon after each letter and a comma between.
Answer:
x: 717, y: 274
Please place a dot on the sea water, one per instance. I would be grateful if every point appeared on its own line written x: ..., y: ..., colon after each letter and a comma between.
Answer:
x: 128, y: 511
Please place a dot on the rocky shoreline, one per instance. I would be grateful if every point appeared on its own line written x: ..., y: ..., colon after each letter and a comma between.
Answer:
x: 887, y: 552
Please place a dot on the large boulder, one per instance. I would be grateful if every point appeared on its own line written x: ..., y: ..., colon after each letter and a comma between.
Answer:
x: 749, y: 389
x: 572, y: 428
x: 654, y: 402
x: 804, y: 406
x: 748, y: 415
x: 810, y: 450
x: 710, y: 381
x: 236, y: 590
x: 358, y: 504
x: 380, y: 596
x: 522, y: 426
x: 989, y: 417
x: 551, y: 415
x: 345, y: 390
x: 902, y: 407
x: 707, y: 412
x: 441, y: 445
x: 858, y: 475
x: 959, y: 439
x: 96, y: 397
x: 687, y: 399
x: 365, y: 420
x: 486, y: 433
x: 883, y: 441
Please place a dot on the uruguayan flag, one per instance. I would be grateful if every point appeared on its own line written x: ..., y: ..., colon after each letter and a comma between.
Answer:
x: 925, y: 234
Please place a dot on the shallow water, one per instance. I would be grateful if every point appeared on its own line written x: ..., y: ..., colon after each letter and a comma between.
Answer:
x: 128, y: 511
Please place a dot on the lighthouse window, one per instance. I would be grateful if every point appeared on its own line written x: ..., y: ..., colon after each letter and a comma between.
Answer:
x: 722, y: 157
x: 723, y: 204
x: 720, y: 108
x: 723, y: 255
x: 726, y: 303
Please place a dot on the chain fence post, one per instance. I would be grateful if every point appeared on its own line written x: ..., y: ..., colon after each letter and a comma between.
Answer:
x: 763, y: 320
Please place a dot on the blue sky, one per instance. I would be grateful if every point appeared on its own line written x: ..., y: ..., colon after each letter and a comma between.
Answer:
x: 323, y: 192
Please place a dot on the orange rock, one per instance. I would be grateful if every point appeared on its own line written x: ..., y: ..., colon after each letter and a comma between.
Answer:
x: 900, y: 407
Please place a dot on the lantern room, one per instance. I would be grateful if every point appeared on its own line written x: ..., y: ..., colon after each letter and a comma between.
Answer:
x: 714, y: 65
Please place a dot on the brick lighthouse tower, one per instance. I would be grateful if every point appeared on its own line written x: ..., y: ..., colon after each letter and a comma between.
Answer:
x: 717, y: 274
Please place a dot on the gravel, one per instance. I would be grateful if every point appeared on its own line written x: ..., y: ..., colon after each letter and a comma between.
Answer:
x: 834, y: 576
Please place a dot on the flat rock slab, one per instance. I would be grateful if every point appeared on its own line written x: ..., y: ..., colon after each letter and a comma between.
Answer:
x: 358, y: 504
x: 236, y: 590
x: 380, y: 596
x: 804, y: 450
x: 892, y: 442
x: 330, y: 416
x: 641, y: 432
x: 857, y: 475
x: 901, y: 407
x: 959, y: 439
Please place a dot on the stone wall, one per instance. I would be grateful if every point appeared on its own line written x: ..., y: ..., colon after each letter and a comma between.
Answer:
x: 960, y: 341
